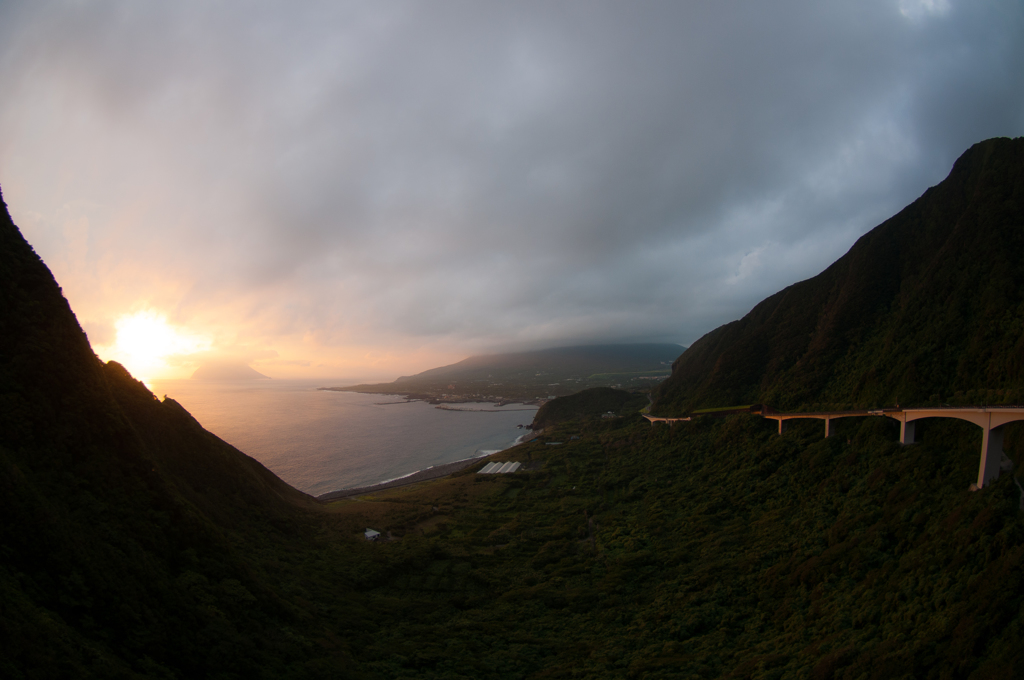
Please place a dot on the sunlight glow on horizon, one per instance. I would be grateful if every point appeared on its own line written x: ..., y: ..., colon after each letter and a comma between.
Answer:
x: 380, y: 190
x: 145, y: 342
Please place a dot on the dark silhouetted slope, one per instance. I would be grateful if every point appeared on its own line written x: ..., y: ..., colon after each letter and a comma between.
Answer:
x: 135, y: 544
x: 122, y: 517
x: 925, y: 306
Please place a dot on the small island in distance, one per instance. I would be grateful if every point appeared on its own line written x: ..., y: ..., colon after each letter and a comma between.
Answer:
x: 227, y: 371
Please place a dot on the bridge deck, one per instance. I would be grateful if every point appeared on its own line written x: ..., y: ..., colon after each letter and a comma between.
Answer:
x: 990, y: 419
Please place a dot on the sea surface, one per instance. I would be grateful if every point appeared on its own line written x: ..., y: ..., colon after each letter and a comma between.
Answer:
x: 320, y: 441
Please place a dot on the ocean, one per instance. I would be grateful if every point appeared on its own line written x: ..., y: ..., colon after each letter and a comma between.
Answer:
x: 320, y: 441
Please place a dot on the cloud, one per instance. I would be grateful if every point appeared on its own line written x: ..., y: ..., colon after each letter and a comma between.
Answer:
x: 920, y: 9
x: 413, y: 179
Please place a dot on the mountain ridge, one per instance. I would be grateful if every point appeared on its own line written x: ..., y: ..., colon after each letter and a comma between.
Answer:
x: 556, y: 371
x: 108, y: 497
x: 917, y: 308
x: 227, y: 371
x: 136, y: 544
x: 618, y: 357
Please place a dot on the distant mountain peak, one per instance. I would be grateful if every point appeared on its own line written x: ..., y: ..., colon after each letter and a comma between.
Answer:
x: 227, y: 371
x: 539, y: 374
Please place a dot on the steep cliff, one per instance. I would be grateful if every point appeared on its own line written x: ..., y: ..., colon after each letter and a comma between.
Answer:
x: 122, y: 516
x: 928, y: 306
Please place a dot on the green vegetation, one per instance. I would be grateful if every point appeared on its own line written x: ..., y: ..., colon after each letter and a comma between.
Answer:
x: 592, y: 403
x: 630, y: 376
x: 927, y: 308
x: 136, y: 544
x: 721, y: 409
x: 709, y: 549
x: 537, y: 375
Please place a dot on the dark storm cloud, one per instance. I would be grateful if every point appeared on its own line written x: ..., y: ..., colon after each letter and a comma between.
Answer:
x: 496, y: 174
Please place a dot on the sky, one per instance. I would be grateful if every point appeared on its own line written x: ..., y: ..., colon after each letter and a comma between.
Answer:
x: 332, y: 189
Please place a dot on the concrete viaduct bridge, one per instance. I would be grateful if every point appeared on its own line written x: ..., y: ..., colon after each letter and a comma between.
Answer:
x: 990, y: 419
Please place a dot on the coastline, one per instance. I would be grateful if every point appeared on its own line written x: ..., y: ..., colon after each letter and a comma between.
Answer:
x: 446, y: 407
x: 435, y: 472
x: 434, y: 398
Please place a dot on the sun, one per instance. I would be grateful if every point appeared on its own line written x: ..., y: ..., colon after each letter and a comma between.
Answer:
x: 145, y: 341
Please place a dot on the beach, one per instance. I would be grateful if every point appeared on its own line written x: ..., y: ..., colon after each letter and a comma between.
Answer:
x: 421, y: 476
x: 325, y: 441
x: 434, y: 472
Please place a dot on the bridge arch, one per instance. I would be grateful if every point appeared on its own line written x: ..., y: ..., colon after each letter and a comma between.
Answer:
x: 990, y: 420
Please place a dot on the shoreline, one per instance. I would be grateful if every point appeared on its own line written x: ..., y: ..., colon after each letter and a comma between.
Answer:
x: 435, y: 400
x: 446, y: 407
x: 434, y: 472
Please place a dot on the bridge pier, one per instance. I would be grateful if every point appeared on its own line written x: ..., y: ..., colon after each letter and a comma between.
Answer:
x: 906, y: 432
x: 991, y: 455
x: 991, y: 420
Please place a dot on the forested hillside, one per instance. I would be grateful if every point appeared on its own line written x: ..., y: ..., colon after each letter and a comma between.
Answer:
x: 134, y: 544
x: 593, y: 403
x: 128, y: 530
x: 558, y: 371
x: 928, y: 307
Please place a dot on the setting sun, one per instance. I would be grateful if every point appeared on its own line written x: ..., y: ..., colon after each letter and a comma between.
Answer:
x: 145, y: 342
